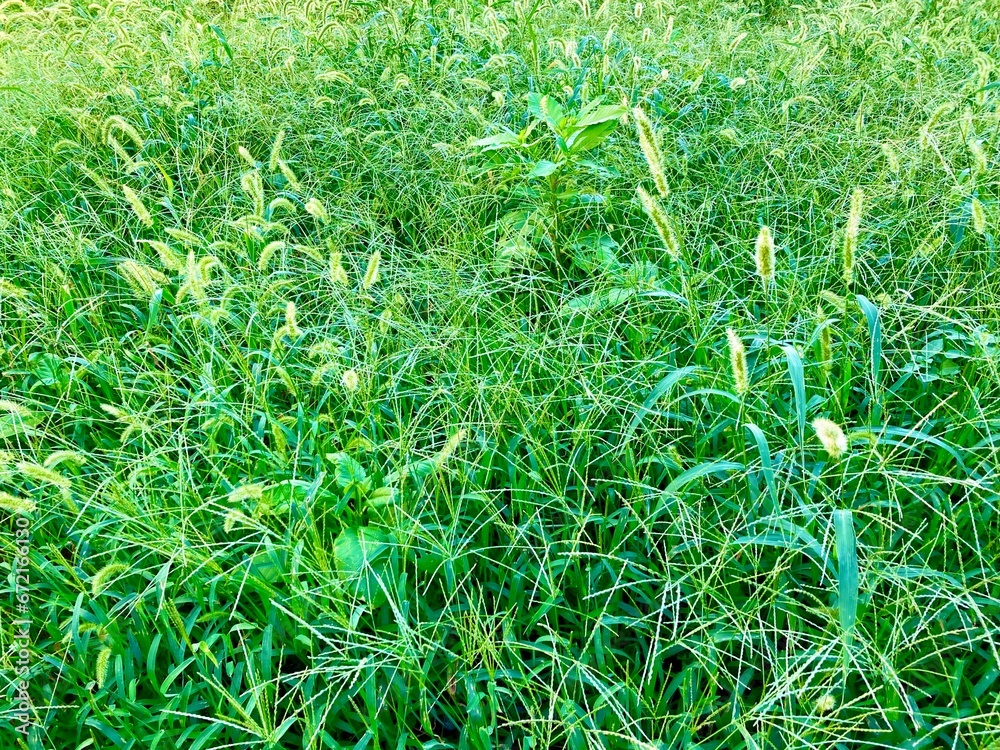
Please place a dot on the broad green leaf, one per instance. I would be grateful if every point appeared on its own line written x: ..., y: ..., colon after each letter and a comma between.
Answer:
x: 209, y: 733
x: 48, y: 368
x: 498, y: 141
x: 590, y: 137
x: 20, y: 422
x: 349, y: 474
x: 535, y: 104
x: 279, y: 497
x: 552, y: 113
x: 360, y: 554
x: 604, y: 113
x: 382, y: 496
x: 598, y: 300
x: 222, y: 40
x: 702, y: 470
x: 785, y: 534
x: 543, y: 169
x: 875, y: 333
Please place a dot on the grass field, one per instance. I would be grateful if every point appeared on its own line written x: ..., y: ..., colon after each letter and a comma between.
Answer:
x: 534, y: 374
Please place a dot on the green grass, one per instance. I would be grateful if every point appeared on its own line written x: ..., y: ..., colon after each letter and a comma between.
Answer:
x: 503, y: 490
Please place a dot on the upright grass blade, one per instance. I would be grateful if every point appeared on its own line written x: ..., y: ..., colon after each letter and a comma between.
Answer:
x: 766, y: 466
x: 797, y: 375
x: 875, y: 332
x: 847, y: 576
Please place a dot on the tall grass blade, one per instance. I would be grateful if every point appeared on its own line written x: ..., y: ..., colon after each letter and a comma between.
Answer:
x: 847, y: 576
x: 871, y: 313
x: 766, y: 466
x: 797, y: 374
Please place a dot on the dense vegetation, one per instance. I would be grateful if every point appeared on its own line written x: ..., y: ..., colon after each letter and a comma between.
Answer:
x: 534, y: 374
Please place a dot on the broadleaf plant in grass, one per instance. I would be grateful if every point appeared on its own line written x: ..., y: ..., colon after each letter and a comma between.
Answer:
x: 553, y: 168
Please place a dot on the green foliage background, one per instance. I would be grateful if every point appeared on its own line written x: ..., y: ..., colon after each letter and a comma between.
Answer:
x: 542, y: 515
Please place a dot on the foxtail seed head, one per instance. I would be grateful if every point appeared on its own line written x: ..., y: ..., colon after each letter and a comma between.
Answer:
x: 338, y: 275
x: 142, y: 279
x: 293, y: 180
x: 832, y: 437
x: 276, y: 150
x: 316, y: 209
x: 168, y: 258
x: 978, y: 217
x: 851, y: 234
x: 838, y: 302
x: 371, y: 273
x: 925, y: 131
x: 138, y: 206
x: 268, y: 252
x: 826, y: 703
x: 651, y: 150
x: 41, y: 475
x: 857, y: 208
x: 664, y: 227
x: 978, y: 155
x: 253, y: 185
x: 103, y: 666
x: 291, y: 327
x: 764, y: 256
x: 738, y: 362
x: 177, y: 621
x: 246, y: 492
x: 102, y: 577
x: 246, y: 156
x: 184, y: 236
x: 15, y: 409
x: 891, y: 157
x: 449, y: 448
x: 56, y: 458
x: 14, y: 504
x: 350, y: 380
x: 825, y: 342
x: 234, y: 517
